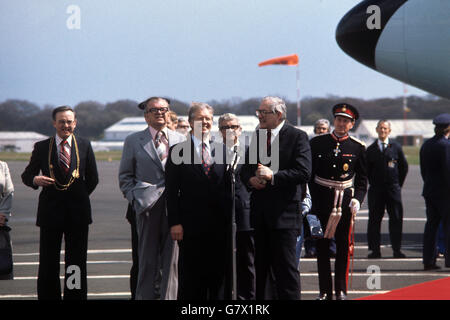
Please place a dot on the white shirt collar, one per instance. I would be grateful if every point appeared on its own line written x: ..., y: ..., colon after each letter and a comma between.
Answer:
x: 380, y: 143
x: 276, y: 131
x: 153, y: 132
x: 58, y: 140
x: 198, y: 143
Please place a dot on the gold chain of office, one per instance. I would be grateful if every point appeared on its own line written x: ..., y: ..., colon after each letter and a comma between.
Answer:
x: 75, y: 174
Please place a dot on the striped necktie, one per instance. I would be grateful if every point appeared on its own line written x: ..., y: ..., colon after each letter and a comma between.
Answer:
x: 64, y: 158
x: 206, y: 159
x: 160, y: 146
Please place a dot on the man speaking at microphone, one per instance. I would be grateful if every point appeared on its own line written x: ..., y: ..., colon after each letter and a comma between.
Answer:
x: 231, y: 130
x: 279, y: 161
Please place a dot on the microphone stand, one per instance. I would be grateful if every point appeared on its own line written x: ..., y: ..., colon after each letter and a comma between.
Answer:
x: 233, y: 224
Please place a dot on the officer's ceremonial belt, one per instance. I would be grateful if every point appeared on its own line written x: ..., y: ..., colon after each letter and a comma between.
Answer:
x: 336, y: 212
x: 339, y: 185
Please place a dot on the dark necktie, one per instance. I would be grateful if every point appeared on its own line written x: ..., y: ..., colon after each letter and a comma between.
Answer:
x: 383, y: 146
x: 206, y: 159
x: 64, y: 158
x: 269, y: 142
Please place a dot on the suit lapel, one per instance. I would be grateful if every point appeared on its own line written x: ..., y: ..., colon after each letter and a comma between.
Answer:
x: 218, y: 169
x: 146, y: 142
x: 73, y: 157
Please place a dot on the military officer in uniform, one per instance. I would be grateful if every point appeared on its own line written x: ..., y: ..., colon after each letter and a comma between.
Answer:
x: 435, y: 171
x: 338, y: 186
x: 386, y: 169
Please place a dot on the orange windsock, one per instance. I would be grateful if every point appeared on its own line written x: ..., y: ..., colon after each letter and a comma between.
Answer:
x: 291, y: 60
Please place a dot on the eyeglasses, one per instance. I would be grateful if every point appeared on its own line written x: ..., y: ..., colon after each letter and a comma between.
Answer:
x: 63, y: 122
x: 233, y: 127
x: 157, y: 110
x: 263, y: 112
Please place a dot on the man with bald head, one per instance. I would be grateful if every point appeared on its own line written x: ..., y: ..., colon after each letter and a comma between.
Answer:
x: 386, y: 168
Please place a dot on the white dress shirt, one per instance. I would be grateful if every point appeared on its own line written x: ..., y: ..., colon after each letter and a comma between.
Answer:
x: 68, y: 146
x: 380, y: 144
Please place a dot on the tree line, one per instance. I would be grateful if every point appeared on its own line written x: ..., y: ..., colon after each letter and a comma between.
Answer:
x: 94, y: 117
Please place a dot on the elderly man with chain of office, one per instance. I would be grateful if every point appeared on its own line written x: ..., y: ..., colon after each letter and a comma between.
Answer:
x: 338, y: 186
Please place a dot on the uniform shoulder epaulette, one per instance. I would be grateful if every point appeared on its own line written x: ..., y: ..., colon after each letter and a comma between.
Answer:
x: 357, y: 140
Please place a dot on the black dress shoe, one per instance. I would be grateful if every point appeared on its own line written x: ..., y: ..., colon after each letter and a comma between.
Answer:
x: 341, y: 295
x: 310, y: 254
x: 399, y: 254
x: 431, y: 267
x: 374, y: 255
x: 325, y: 296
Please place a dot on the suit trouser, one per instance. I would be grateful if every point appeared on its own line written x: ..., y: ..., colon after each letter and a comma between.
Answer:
x: 275, y: 251
x: 202, y: 266
x: 75, y: 281
x: 341, y: 262
x: 245, y: 265
x: 131, y: 216
x: 437, y: 211
x: 155, y: 248
x: 391, y: 199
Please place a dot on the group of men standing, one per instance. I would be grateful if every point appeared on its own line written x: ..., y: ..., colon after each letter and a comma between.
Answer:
x: 190, y: 189
x: 180, y: 201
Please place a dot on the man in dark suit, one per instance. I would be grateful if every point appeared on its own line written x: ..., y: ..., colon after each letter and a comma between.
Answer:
x: 338, y: 187
x: 435, y: 170
x: 231, y: 130
x: 279, y: 161
x: 68, y: 176
x: 386, y: 169
x: 199, y: 211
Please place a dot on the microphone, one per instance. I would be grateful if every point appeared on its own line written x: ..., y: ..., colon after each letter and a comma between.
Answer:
x: 235, y: 158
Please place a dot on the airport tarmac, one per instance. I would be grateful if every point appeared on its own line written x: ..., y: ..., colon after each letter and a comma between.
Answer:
x: 109, y: 255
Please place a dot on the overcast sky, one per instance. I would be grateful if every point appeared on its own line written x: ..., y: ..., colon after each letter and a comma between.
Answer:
x: 190, y: 50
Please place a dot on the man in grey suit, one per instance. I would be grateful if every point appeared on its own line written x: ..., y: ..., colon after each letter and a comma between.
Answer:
x: 141, y: 180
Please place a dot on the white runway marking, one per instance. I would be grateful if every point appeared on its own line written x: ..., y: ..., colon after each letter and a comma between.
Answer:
x: 112, y: 276
x: 363, y: 218
x: 92, y: 294
x: 385, y: 274
x: 62, y: 262
x: 89, y: 252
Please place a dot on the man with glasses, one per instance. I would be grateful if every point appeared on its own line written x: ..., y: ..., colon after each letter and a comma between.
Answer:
x: 183, y: 126
x: 64, y: 166
x: 142, y: 182
x: 276, y: 196
x: 231, y: 130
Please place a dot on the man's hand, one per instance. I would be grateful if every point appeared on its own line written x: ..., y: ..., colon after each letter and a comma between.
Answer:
x: 354, y: 207
x: 257, y: 183
x: 264, y: 172
x: 176, y: 232
x: 43, y: 181
x: 2, y: 219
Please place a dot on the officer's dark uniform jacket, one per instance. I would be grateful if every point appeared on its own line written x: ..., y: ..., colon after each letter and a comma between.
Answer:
x: 337, y: 159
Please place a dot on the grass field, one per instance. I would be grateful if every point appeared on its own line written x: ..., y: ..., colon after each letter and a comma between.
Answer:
x: 411, y: 153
